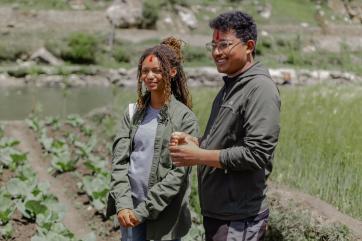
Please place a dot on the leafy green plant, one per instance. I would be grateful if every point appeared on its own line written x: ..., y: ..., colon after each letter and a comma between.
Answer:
x: 86, y: 130
x: 7, y: 207
x: 53, y: 122
x: 84, y: 150
x: 63, y: 162
x: 35, y: 124
x: 74, y: 120
x: 81, y: 48
x: 196, y: 55
x: 9, y: 156
x: 150, y: 14
x: 97, y: 188
x: 6, y: 231
x: 96, y: 165
x: 122, y: 55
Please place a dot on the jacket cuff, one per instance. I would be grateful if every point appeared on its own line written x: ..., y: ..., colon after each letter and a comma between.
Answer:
x: 141, y: 212
x: 223, y: 158
x: 122, y: 202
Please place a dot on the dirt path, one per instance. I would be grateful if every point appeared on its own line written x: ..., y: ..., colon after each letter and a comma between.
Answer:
x: 317, y: 207
x: 28, y: 143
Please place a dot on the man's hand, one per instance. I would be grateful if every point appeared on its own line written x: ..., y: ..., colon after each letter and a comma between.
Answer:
x: 127, y: 218
x: 184, y: 149
x: 180, y: 138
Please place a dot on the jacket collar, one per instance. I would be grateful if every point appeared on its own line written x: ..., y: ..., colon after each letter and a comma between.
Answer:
x: 164, y: 114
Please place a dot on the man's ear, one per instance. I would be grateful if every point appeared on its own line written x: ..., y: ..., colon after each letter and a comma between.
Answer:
x: 250, y: 46
x: 173, y: 72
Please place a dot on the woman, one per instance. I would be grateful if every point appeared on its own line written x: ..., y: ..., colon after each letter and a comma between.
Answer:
x: 148, y: 193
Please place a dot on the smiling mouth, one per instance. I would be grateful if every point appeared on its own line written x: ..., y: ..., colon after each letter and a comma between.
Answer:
x: 220, y: 61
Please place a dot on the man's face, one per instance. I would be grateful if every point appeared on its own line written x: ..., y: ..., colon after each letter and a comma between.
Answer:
x: 229, y: 53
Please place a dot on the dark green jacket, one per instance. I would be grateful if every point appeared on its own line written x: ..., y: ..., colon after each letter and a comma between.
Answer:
x: 244, y: 125
x: 165, y: 210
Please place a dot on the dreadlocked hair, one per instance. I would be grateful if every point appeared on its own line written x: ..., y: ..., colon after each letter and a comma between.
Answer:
x: 169, y: 55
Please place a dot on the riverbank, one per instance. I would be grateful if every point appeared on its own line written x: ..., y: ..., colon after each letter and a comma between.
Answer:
x: 81, y: 76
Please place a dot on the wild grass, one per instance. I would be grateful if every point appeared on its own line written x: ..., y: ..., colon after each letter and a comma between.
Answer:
x: 320, y: 144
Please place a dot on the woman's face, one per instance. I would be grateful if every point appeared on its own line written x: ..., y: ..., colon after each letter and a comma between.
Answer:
x: 151, y: 74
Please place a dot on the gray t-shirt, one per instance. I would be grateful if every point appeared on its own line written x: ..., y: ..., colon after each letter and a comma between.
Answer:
x: 142, y: 155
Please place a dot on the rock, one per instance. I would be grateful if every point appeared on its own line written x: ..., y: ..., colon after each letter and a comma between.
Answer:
x: 8, y: 81
x: 204, y: 76
x: 264, y: 33
x: 43, y: 55
x: 304, y: 24
x: 265, y: 10
x: 187, y: 16
x: 354, y: 9
x: 125, y: 13
x: 77, y: 4
x: 132, y: 74
x: 283, y: 76
x: 309, y: 49
x: 168, y: 20
x: 127, y: 83
x: 49, y: 81
x: 113, y: 76
x: 337, y: 6
x: 348, y: 77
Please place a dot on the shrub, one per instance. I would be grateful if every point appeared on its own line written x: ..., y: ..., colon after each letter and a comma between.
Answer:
x: 11, y: 52
x: 150, y: 15
x: 195, y: 54
x: 121, y: 55
x: 81, y: 48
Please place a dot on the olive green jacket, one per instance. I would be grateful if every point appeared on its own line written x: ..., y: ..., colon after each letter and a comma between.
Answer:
x: 244, y: 125
x: 165, y: 210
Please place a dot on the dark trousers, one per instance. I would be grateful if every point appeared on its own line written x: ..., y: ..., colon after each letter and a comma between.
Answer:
x: 248, y: 229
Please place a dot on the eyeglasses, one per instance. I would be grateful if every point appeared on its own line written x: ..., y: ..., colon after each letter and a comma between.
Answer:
x: 221, y: 46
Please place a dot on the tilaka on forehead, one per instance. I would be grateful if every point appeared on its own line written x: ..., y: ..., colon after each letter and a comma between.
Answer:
x: 217, y: 35
x: 150, y: 58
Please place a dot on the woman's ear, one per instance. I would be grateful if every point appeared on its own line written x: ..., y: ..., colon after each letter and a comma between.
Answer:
x: 173, y: 72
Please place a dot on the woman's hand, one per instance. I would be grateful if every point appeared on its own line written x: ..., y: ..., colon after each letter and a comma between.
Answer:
x: 127, y: 218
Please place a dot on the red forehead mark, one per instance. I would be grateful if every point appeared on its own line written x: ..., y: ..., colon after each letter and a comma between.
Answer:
x: 150, y: 58
x: 217, y: 35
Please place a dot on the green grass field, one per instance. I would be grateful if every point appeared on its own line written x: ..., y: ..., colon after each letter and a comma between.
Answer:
x: 320, y: 142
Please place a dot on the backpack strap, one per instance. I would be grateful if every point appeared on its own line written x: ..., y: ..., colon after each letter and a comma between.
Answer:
x: 131, y: 110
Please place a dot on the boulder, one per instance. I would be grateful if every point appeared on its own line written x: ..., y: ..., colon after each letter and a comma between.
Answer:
x: 265, y: 10
x: 44, y: 56
x: 354, y: 9
x: 187, y: 16
x: 204, y: 76
x: 125, y: 13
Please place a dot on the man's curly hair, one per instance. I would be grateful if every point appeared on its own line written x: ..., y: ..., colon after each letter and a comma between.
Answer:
x: 242, y: 23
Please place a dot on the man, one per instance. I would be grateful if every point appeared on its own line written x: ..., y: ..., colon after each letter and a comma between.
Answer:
x: 235, y: 153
